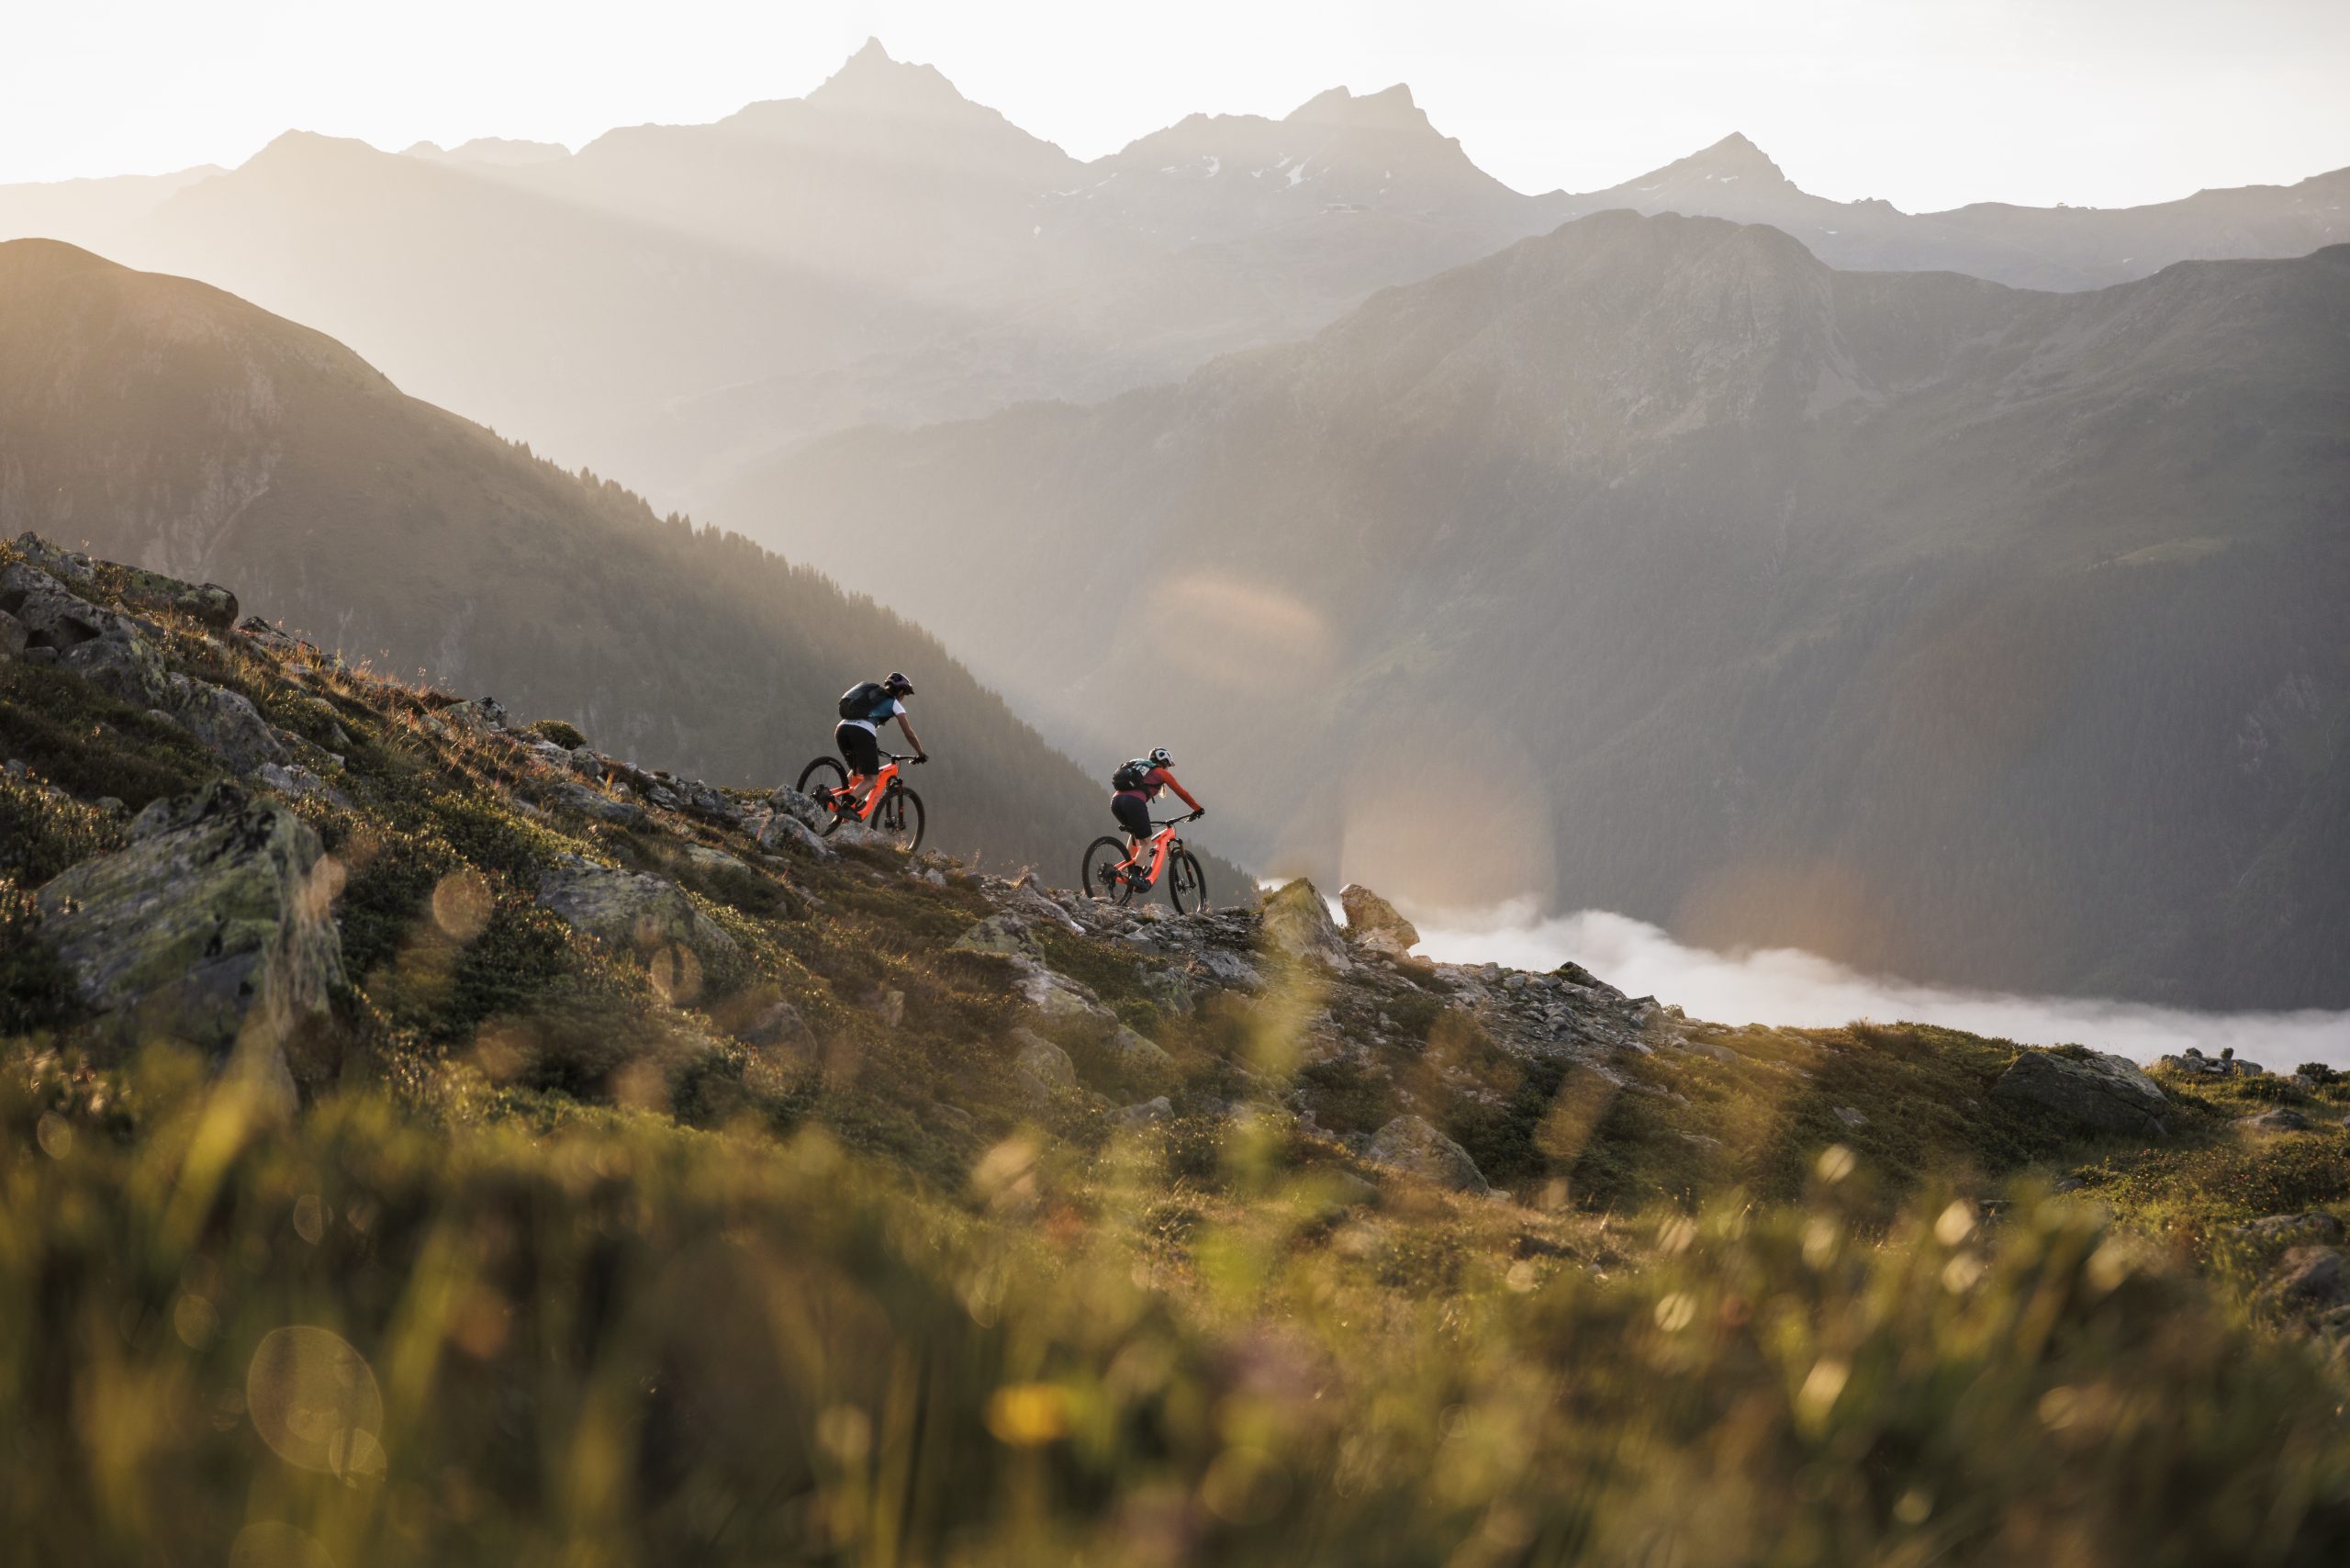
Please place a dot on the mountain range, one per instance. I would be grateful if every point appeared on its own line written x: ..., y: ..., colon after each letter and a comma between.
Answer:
x: 160, y: 420
x: 1978, y: 634
x: 679, y: 303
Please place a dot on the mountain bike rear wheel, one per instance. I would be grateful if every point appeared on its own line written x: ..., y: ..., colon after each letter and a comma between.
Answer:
x: 898, y: 818
x: 1102, y: 879
x: 818, y: 781
x: 1187, y: 885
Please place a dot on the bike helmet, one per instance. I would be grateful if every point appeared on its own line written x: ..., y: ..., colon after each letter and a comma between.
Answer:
x: 898, y: 685
x: 1159, y: 758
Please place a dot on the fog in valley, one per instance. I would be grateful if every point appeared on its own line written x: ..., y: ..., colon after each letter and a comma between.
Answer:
x: 1788, y: 988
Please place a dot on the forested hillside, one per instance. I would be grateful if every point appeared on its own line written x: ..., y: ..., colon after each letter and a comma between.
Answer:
x: 163, y: 421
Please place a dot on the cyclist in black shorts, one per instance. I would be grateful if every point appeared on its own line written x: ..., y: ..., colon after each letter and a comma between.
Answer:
x: 1135, y: 786
x: 864, y: 707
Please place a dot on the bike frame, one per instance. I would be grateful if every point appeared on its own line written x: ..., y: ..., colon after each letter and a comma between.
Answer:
x: 878, y: 788
x: 1162, y: 845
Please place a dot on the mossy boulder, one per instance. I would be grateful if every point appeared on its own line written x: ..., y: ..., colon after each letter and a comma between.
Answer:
x: 212, y: 926
x: 2092, y: 1089
x: 631, y: 910
x: 1298, y: 922
x: 1414, y: 1146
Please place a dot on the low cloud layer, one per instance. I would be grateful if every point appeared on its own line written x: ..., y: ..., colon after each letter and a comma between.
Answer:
x: 1784, y: 986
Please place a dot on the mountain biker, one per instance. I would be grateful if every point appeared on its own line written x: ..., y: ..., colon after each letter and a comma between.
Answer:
x: 864, y: 706
x: 1137, y: 784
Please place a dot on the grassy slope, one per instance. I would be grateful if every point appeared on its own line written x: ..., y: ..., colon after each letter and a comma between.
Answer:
x: 618, y: 1287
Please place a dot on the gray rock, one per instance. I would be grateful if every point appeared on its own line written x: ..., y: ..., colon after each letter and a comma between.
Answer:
x: 1139, y: 1053
x: 1044, y: 1069
x: 781, y: 830
x: 1298, y: 924
x: 13, y: 636
x: 104, y: 646
x: 212, y: 926
x: 799, y: 807
x: 1148, y: 1113
x: 1055, y: 996
x: 576, y: 796
x: 630, y: 909
x: 889, y: 1006
x: 1005, y: 934
x: 1851, y: 1116
x: 1411, y: 1145
x: 2283, y: 1119
x: 702, y: 856
x: 481, y: 712
x: 2096, y: 1090
x: 1373, y: 923
x: 207, y: 602
x: 2314, y: 1276
x: 1229, y: 968
x: 2312, y: 1227
x: 779, y: 1025
x: 227, y: 722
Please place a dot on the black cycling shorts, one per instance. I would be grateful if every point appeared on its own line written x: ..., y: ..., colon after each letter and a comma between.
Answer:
x: 1133, y: 812
x: 860, y: 748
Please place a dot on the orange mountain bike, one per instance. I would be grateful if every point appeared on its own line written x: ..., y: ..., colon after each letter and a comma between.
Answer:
x: 889, y: 807
x: 1111, y: 874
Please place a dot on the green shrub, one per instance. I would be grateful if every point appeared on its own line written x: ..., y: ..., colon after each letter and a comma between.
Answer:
x: 564, y: 735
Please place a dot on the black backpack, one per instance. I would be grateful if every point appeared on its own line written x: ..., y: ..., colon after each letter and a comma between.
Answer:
x: 1130, y: 775
x: 859, y: 700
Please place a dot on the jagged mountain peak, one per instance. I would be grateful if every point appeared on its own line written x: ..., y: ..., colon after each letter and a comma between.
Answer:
x: 1734, y: 157
x: 1390, y: 108
x: 872, y: 79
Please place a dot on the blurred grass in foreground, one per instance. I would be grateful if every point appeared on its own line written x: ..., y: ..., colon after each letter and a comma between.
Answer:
x: 365, y: 1339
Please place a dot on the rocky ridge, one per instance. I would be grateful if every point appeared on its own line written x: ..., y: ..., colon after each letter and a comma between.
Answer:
x: 405, y: 885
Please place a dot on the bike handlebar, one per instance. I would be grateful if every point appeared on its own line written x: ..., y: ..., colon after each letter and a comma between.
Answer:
x: 900, y: 756
x: 1174, y: 822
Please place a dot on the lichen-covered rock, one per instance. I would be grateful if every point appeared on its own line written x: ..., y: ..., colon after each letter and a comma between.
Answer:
x: 799, y: 807
x: 1043, y: 1068
x: 104, y: 646
x: 1297, y: 923
x: 1002, y: 933
x: 481, y: 712
x: 2283, y: 1119
x: 1139, y: 1054
x: 212, y: 926
x: 227, y: 722
x: 1409, y: 1143
x: 2314, y: 1276
x: 1055, y: 996
x: 13, y: 636
x: 630, y: 909
x: 574, y: 797
x: 1148, y: 1113
x: 1373, y: 923
x: 208, y: 602
x: 2095, y: 1088
x: 783, y: 831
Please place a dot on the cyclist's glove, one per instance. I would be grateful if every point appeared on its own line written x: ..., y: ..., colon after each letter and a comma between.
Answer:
x: 1198, y: 813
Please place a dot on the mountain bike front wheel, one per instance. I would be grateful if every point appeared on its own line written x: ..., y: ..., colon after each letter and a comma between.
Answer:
x: 818, y: 781
x: 898, y: 818
x: 1187, y: 886
x: 1102, y: 880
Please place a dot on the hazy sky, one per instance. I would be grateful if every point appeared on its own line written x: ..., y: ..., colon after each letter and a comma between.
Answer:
x: 1928, y: 102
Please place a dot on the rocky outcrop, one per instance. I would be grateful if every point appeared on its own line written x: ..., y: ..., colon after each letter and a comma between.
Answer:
x: 207, y: 603
x: 1043, y: 1068
x: 1409, y: 1143
x: 227, y: 722
x: 104, y: 646
x: 630, y: 909
x: 2093, y: 1089
x: 1372, y: 922
x: 1296, y: 923
x: 212, y: 926
x: 2283, y: 1119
